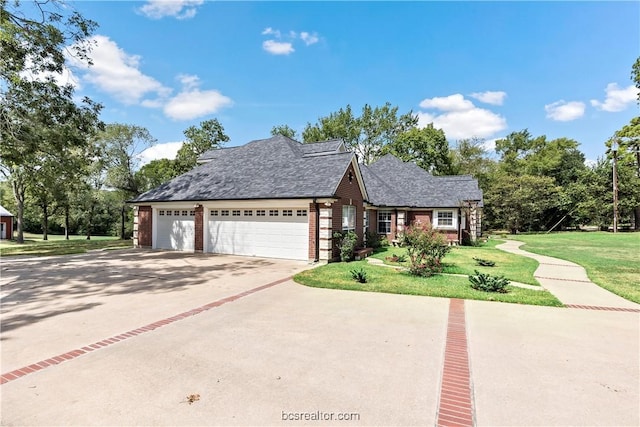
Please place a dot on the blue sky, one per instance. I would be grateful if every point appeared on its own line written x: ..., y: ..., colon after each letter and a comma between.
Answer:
x: 484, y: 69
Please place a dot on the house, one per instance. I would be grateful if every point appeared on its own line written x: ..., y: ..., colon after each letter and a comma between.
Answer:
x: 6, y: 224
x: 280, y: 198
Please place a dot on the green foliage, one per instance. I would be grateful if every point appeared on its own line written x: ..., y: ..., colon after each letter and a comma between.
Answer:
x: 427, y: 147
x: 360, y: 275
x: 284, y: 130
x: 365, y: 135
x: 488, y: 283
x: 210, y: 135
x: 426, y: 248
x: 397, y: 258
x: 346, y: 243
x: 155, y: 173
x: 484, y: 262
x: 375, y: 240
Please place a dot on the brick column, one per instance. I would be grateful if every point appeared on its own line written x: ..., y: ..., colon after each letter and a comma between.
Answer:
x: 199, y: 229
x: 400, y: 222
x: 326, y: 231
x: 144, y: 226
x: 312, y: 232
x: 135, y: 227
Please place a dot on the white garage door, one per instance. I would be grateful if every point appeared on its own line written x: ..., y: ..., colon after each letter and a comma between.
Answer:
x: 176, y: 229
x: 273, y: 233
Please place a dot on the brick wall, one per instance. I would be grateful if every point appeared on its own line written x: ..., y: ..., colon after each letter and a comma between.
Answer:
x: 145, y: 226
x: 423, y: 216
x: 348, y: 193
x: 312, y: 232
x: 199, y: 229
x: 8, y: 226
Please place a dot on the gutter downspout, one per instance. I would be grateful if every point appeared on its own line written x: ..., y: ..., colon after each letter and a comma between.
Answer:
x: 317, y: 208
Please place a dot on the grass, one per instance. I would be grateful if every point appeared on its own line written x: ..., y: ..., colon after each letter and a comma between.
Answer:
x: 388, y: 280
x: 611, y: 260
x: 460, y: 261
x: 57, y: 245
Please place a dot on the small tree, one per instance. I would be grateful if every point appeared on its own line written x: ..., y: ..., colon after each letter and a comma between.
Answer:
x: 346, y: 242
x: 426, y: 248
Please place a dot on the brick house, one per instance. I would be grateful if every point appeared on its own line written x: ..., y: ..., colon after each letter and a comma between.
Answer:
x: 279, y: 198
x: 6, y: 224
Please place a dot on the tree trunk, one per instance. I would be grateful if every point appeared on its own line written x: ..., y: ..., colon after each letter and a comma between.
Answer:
x: 636, y: 216
x: 124, y: 214
x: 45, y: 222
x: 19, y: 195
x: 66, y: 222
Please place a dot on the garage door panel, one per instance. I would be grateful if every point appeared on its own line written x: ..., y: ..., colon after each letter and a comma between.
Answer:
x: 277, y: 237
x: 175, y: 234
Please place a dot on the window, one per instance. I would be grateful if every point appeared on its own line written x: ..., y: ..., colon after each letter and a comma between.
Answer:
x: 224, y: 212
x: 348, y: 218
x: 214, y: 213
x: 260, y: 212
x: 176, y: 213
x: 236, y: 213
x: 161, y: 213
x: 192, y: 213
x: 273, y: 212
x: 301, y: 212
x: 384, y: 222
x: 248, y: 213
x: 287, y: 212
x: 168, y: 213
x: 184, y: 213
x: 444, y: 219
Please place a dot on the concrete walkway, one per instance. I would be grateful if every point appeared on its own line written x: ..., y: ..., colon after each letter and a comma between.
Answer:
x: 569, y: 281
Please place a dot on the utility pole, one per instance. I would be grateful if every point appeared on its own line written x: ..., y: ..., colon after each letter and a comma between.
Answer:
x: 614, y: 150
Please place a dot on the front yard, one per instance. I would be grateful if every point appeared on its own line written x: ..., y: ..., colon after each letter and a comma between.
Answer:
x: 57, y: 245
x: 459, y: 261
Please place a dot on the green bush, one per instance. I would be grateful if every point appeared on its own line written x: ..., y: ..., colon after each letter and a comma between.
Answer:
x: 359, y: 276
x: 346, y: 243
x: 484, y: 262
x: 488, y: 283
x: 426, y: 248
x: 374, y: 240
x: 397, y: 258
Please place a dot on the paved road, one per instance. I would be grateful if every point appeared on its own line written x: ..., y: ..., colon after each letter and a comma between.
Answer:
x: 252, y: 353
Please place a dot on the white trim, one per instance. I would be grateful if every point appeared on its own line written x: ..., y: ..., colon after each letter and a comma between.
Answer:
x: 154, y: 227
x: 454, y: 219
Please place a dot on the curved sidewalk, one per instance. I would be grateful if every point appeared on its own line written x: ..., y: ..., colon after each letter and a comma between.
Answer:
x: 569, y: 281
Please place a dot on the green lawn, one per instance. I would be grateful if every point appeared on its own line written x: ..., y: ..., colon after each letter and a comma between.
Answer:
x: 460, y: 261
x: 388, y: 280
x: 57, y: 245
x: 611, y: 260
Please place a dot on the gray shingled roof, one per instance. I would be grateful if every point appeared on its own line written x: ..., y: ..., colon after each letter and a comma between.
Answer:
x: 263, y: 169
x: 392, y: 182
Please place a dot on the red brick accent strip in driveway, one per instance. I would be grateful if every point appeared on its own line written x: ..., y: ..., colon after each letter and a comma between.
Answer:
x: 596, y: 307
x: 456, y: 399
x: 17, y: 373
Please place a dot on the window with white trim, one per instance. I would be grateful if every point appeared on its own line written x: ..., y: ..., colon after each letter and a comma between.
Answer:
x: 384, y: 222
x: 192, y: 213
x: 287, y: 212
x: 261, y: 212
x: 301, y: 212
x: 168, y: 213
x: 348, y: 218
x: 161, y: 213
x: 185, y: 213
x: 273, y: 212
x: 224, y: 212
x: 236, y: 213
x: 176, y: 213
x: 214, y: 213
x: 248, y: 213
x: 445, y: 219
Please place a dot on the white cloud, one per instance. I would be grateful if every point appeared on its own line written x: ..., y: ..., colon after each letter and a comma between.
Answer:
x: 490, y: 97
x: 617, y: 99
x: 271, y: 32
x: 563, y: 111
x: 167, y: 150
x: 180, y: 9
x: 277, y: 48
x: 454, y: 102
x: 460, y: 118
x: 117, y: 73
x: 192, y: 102
x: 308, y: 38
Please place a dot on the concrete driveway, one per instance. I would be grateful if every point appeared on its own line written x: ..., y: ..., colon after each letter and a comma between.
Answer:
x: 251, y: 349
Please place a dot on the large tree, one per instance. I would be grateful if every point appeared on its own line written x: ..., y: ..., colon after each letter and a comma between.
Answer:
x: 366, y: 134
x: 209, y: 135
x: 427, y: 147
x: 39, y: 117
x: 284, y: 130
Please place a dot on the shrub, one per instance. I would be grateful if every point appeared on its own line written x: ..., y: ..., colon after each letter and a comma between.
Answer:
x: 426, y: 248
x: 359, y: 276
x: 374, y: 240
x: 346, y: 243
x: 488, y: 283
x: 484, y: 262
